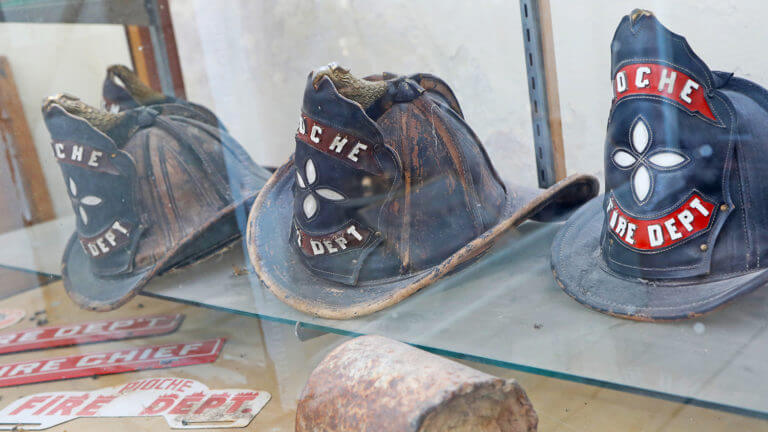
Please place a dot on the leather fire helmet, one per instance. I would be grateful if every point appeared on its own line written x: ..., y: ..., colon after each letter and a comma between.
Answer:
x: 123, y: 90
x: 152, y: 188
x: 388, y: 190
x: 681, y: 228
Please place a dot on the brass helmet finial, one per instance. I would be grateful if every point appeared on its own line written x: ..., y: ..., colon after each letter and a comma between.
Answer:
x: 359, y: 90
x: 637, y: 13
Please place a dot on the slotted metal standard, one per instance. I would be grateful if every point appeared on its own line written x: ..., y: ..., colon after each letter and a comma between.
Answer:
x: 547, y: 156
x: 160, y: 47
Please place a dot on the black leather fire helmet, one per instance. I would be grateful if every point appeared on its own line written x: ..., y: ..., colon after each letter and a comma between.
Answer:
x: 388, y: 191
x: 681, y: 228
x: 153, y: 189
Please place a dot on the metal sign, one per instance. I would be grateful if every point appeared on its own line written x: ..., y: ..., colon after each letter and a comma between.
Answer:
x: 184, y: 403
x: 9, y: 317
x: 110, y: 362
x: 96, y: 331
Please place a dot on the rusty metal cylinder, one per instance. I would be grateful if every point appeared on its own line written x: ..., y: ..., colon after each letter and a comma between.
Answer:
x: 372, y: 383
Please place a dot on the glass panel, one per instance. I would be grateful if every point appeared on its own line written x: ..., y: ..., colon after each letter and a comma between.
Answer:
x: 151, y: 148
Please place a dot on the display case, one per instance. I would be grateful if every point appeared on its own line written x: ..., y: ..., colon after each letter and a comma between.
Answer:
x: 563, y: 202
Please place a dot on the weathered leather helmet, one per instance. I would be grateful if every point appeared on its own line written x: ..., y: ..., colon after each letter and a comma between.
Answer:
x: 681, y: 228
x: 152, y: 188
x: 389, y: 190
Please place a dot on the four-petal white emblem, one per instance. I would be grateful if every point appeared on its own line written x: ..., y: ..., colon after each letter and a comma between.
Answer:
x: 310, y: 203
x: 644, y: 162
x: 78, y: 203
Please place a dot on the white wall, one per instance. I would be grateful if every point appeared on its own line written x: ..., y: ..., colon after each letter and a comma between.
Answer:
x: 59, y: 58
x: 248, y: 61
x: 728, y: 35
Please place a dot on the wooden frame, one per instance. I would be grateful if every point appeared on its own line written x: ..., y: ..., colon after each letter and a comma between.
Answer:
x: 154, y: 52
x: 29, y: 191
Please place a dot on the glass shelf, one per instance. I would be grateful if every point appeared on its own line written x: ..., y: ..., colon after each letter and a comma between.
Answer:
x: 505, y: 310
x: 264, y: 355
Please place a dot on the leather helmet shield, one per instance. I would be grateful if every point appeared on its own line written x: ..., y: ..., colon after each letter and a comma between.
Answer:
x: 667, y: 152
x: 342, y: 171
x: 99, y: 179
x: 330, y: 234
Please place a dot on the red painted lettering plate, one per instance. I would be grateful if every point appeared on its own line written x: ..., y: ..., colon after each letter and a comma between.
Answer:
x: 662, y: 81
x: 96, y: 331
x: 110, y: 362
x: 9, y: 317
x: 184, y: 403
x: 690, y: 219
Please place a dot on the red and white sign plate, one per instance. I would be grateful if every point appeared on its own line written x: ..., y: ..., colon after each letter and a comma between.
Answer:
x: 9, y: 317
x: 96, y: 331
x: 184, y: 403
x: 110, y: 362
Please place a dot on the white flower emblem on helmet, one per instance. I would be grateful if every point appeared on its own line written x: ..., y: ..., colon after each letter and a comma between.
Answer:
x: 643, y: 162
x: 310, y: 204
x: 81, y: 203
